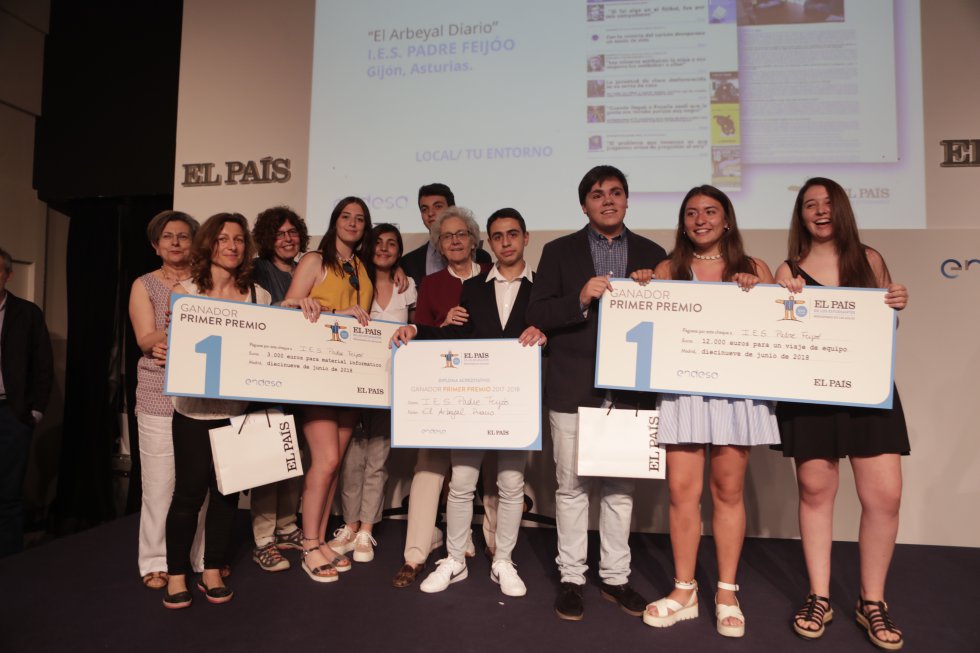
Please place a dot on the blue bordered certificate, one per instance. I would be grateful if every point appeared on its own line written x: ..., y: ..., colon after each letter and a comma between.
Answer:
x: 823, y: 345
x: 466, y: 394
x: 232, y: 350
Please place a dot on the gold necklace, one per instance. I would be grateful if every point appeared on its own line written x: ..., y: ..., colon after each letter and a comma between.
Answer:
x: 171, y: 280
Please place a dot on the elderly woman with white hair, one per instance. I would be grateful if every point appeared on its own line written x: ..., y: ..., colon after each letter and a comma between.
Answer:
x: 456, y: 235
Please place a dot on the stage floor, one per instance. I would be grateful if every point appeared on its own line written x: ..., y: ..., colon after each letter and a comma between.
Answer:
x: 83, y: 593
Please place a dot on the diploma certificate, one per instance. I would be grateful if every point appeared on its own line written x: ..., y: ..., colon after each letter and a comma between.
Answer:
x: 233, y: 350
x: 466, y: 394
x: 823, y: 345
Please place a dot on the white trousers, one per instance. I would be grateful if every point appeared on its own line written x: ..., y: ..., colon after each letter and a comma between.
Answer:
x: 157, y: 474
x: 462, y: 488
x: 572, y: 511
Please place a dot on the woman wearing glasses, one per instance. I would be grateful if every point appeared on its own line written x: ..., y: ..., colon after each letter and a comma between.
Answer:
x: 456, y: 235
x: 170, y: 233
x: 280, y: 235
x: 336, y: 280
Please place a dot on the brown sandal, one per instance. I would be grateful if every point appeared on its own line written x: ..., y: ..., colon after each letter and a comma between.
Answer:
x: 817, y: 610
x: 873, y: 617
x: 156, y: 580
x: 406, y: 575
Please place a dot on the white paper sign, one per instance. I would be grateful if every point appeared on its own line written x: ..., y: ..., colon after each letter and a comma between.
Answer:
x: 466, y: 394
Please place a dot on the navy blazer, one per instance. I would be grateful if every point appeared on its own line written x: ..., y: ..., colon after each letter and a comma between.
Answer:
x: 479, y: 298
x: 413, y: 263
x: 566, y: 265
x: 25, y: 355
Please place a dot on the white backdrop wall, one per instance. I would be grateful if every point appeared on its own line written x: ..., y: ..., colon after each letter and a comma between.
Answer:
x: 245, y: 94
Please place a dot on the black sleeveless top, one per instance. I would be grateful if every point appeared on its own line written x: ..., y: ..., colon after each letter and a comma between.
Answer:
x: 830, y: 431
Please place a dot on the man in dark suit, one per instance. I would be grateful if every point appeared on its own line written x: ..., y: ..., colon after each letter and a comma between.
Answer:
x: 573, y: 274
x: 25, y: 384
x: 424, y: 260
x: 494, y: 305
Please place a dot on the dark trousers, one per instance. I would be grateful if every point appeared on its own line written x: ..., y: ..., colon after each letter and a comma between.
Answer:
x: 193, y: 477
x: 15, y: 447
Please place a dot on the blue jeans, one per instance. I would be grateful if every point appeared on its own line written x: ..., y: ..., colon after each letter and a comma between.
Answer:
x: 15, y: 447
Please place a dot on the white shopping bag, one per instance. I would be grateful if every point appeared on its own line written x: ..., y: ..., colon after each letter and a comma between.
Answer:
x: 620, y: 442
x: 256, y: 449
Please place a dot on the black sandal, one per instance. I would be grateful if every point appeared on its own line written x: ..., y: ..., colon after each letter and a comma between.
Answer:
x: 817, y: 610
x: 216, y: 594
x: 873, y: 617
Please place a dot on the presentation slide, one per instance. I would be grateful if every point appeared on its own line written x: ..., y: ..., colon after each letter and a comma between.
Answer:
x: 510, y: 103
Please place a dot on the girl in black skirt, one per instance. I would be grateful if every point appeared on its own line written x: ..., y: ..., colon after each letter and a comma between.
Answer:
x: 825, y: 249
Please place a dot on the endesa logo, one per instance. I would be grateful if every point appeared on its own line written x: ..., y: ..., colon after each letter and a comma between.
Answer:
x: 952, y: 268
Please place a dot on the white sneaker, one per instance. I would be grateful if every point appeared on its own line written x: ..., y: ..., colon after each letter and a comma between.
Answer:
x: 504, y: 573
x: 436, y: 539
x: 343, y: 540
x: 447, y: 572
x: 470, y: 547
x: 364, y: 545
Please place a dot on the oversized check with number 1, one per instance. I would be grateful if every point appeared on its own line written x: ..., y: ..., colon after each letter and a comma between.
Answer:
x: 823, y: 345
x: 233, y: 350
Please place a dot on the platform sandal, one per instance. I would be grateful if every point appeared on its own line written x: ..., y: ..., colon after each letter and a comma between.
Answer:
x: 723, y: 612
x: 816, y: 609
x: 325, y: 573
x: 873, y: 617
x: 339, y: 561
x: 667, y: 612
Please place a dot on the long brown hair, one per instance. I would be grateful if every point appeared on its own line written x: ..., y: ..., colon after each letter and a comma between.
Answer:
x: 732, y: 250
x: 853, y: 269
x: 203, y: 249
x: 364, y: 249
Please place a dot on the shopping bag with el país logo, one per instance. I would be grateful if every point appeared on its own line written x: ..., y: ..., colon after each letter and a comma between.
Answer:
x: 620, y: 442
x: 256, y: 449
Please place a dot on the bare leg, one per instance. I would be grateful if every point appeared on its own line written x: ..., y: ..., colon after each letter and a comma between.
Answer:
x: 728, y: 465
x: 879, y: 487
x: 685, y: 474
x: 817, y: 479
x: 323, y: 436
x: 346, y: 419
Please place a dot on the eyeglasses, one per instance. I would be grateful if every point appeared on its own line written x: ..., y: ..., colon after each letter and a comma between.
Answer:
x: 456, y: 235
x: 179, y: 237
x: 352, y: 275
x: 290, y: 233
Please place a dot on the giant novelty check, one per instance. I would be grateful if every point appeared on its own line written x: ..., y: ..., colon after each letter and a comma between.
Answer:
x: 823, y: 345
x: 466, y: 394
x: 233, y: 350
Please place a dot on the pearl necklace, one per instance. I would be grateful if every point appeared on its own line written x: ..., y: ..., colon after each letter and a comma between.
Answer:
x: 701, y: 257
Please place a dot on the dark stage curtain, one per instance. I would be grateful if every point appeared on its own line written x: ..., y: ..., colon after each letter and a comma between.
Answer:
x: 104, y: 155
x: 107, y: 251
